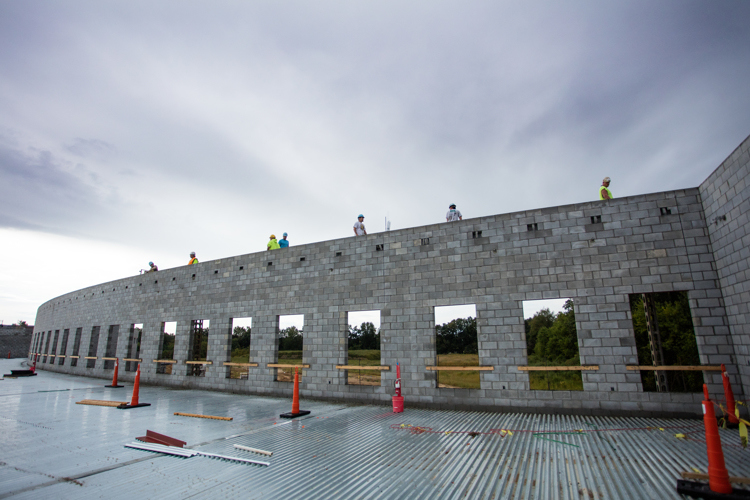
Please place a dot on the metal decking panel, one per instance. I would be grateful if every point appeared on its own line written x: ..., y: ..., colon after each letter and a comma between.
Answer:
x: 338, y: 451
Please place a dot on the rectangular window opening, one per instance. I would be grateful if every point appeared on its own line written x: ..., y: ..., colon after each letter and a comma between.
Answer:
x: 46, y: 346
x: 363, y: 347
x: 476, y: 234
x: 291, y: 344
x: 198, y: 347
x: 338, y: 254
x: 665, y: 211
x: 302, y: 259
x: 64, y: 346
x: 242, y: 267
x: 93, y: 346
x: 111, y: 349
x: 134, y: 346
x: 240, y: 349
x: 76, y: 346
x: 532, y: 227
x: 54, y: 347
x: 552, y: 341
x: 664, y: 336
x: 596, y: 219
x: 456, y: 345
x: 166, y: 346
x: 425, y: 241
x: 379, y: 248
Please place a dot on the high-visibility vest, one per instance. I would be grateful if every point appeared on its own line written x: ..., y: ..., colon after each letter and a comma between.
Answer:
x: 193, y: 261
x: 609, y: 193
x: 273, y: 245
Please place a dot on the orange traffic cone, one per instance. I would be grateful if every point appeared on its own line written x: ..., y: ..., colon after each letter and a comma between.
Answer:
x: 296, y: 412
x: 114, y: 377
x: 718, y: 476
x: 729, y: 395
x: 134, y: 401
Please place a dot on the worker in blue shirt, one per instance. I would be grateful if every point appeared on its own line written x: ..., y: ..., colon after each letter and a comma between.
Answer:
x: 283, y: 242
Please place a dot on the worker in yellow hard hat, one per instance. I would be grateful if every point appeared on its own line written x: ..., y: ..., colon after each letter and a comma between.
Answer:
x: 604, y: 192
x: 272, y: 243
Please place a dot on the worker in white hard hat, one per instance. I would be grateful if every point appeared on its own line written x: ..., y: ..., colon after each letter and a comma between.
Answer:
x: 193, y: 259
x: 453, y: 214
x: 272, y: 243
x: 359, y: 226
x: 604, y: 192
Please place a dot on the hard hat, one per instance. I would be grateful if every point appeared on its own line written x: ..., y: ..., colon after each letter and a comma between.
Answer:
x: 452, y: 205
x: 150, y: 263
x: 192, y: 254
x: 607, y: 179
x: 273, y: 236
x: 360, y: 215
x: 286, y: 234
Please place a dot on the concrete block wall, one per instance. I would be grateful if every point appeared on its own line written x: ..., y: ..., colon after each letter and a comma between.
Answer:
x: 15, y: 340
x: 726, y: 203
x: 596, y: 253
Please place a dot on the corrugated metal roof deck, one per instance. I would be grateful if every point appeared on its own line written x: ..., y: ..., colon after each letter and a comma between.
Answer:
x: 338, y: 451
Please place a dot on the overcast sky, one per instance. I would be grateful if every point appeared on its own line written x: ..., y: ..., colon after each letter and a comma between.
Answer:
x: 138, y: 130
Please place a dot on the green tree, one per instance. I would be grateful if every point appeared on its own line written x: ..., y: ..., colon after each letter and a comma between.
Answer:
x: 240, y: 338
x: 555, y: 340
x: 364, y: 337
x: 290, y: 339
x: 542, y: 319
x: 457, y: 337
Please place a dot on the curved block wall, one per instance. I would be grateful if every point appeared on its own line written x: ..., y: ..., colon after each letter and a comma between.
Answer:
x: 651, y: 243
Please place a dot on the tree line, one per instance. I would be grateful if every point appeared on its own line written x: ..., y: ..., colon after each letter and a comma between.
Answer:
x: 551, y: 339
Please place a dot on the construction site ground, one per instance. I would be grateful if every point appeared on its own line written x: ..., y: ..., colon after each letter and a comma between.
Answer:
x: 55, y: 448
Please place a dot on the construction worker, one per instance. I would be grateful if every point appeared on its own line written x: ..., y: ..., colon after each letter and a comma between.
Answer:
x: 272, y: 243
x: 359, y: 226
x: 604, y: 192
x: 153, y: 267
x: 453, y: 214
x: 283, y: 242
x: 193, y: 260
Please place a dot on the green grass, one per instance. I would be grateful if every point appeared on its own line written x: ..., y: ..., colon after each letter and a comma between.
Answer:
x: 462, y: 380
x: 555, y: 381
x: 362, y: 357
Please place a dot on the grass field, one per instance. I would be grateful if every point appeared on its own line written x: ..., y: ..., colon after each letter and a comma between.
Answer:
x: 555, y: 381
x: 363, y: 358
x: 462, y: 380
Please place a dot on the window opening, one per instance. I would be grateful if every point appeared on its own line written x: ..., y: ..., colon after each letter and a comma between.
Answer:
x: 93, y: 346
x: 596, y: 219
x: 134, y: 346
x: 198, y: 346
x: 379, y: 248
x: 532, y: 227
x: 664, y: 336
x: 166, y: 346
x: 51, y: 359
x: 425, y: 241
x: 64, y: 346
x: 240, y: 349
x: 552, y: 341
x: 111, y: 349
x: 363, y: 347
x: 476, y: 234
x: 291, y: 343
x: 46, y: 345
x: 76, y: 346
x: 456, y: 345
x: 665, y: 211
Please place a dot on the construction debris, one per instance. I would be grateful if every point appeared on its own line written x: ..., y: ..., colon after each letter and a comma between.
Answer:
x: 187, y: 453
x: 253, y: 450
x: 201, y: 416
x: 99, y: 402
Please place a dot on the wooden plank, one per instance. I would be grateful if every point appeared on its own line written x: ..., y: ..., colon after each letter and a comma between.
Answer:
x: 358, y: 367
x: 585, y: 368
x: 111, y: 359
x: 648, y: 368
x: 61, y: 355
x: 253, y: 450
x: 460, y: 368
x: 165, y: 361
x: 201, y: 416
x: 226, y: 363
x: 277, y: 365
x: 90, y: 357
x: 132, y: 359
x: 98, y: 402
x: 75, y: 357
x: 704, y: 477
x: 199, y: 362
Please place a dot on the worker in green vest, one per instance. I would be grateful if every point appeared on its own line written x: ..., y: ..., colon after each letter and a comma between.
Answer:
x: 192, y: 260
x: 604, y: 192
x: 272, y: 243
